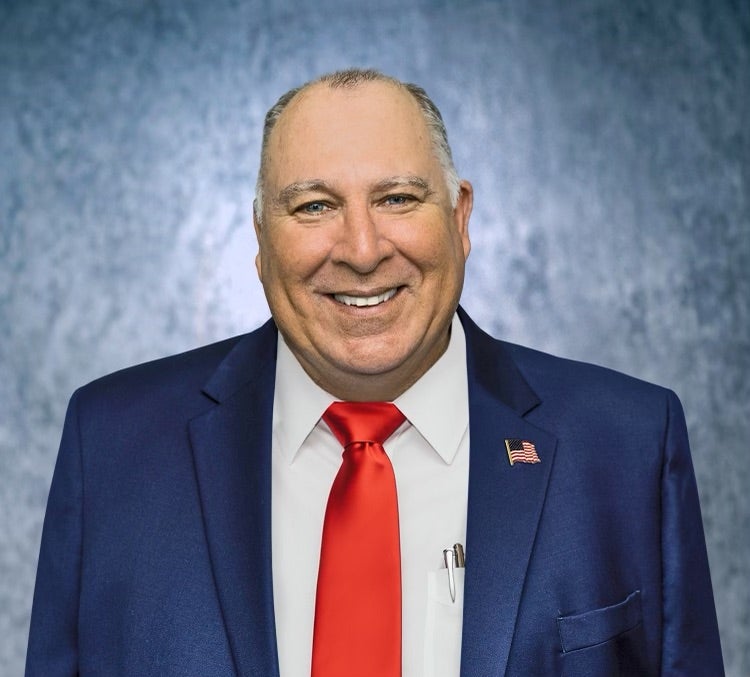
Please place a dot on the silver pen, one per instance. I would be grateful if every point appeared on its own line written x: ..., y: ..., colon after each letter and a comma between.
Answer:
x: 454, y: 559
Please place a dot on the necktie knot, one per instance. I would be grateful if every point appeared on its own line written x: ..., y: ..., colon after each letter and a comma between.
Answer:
x: 363, y: 421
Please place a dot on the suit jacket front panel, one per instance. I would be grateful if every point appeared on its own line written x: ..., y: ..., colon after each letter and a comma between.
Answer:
x: 126, y: 582
x: 148, y: 602
x: 594, y: 593
x: 599, y: 537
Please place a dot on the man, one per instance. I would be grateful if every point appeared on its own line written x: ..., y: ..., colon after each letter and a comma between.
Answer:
x: 183, y: 531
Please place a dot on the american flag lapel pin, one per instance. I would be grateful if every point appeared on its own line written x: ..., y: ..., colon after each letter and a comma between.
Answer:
x: 521, y: 451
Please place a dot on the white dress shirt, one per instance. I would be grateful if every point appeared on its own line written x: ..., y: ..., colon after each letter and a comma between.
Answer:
x: 430, y: 458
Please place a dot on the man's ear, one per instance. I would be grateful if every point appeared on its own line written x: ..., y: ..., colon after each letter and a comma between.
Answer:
x: 257, y: 227
x: 462, y: 212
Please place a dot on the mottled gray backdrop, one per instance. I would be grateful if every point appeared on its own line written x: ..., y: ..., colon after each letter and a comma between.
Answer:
x: 608, y: 143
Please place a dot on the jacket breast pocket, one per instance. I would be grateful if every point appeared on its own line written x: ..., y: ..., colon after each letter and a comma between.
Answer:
x: 609, y: 641
x: 600, y: 625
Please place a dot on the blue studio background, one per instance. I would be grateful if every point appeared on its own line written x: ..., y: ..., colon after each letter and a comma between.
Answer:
x: 608, y: 143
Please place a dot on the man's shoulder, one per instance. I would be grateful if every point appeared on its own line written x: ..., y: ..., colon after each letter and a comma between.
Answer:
x: 538, y: 365
x: 565, y: 386
x: 190, y: 372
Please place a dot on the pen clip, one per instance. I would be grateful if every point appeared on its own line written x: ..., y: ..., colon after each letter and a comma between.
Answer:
x: 449, y: 555
x: 458, y: 549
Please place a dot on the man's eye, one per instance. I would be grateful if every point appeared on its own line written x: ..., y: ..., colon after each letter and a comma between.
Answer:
x: 313, y: 208
x: 398, y: 200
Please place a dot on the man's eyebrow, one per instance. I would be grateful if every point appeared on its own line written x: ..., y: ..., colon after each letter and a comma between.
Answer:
x: 293, y: 190
x: 410, y: 180
x: 289, y: 193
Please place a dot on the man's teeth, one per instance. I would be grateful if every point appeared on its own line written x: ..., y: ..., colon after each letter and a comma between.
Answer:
x: 362, y: 301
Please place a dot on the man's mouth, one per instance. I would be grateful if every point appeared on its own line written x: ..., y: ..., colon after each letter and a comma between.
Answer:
x: 362, y: 301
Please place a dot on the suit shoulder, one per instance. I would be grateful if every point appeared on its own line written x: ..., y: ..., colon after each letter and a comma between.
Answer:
x: 573, y: 379
x: 192, y: 364
x: 171, y: 377
x: 559, y: 382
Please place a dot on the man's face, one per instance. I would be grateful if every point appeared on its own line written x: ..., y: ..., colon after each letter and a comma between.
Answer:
x: 360, y: 253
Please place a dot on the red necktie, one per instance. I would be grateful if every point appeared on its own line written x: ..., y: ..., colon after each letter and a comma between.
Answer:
x: 358, y: 603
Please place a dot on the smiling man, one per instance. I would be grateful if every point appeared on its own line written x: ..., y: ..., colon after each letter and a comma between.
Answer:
x: 302, y: 500
x: 362, y: 245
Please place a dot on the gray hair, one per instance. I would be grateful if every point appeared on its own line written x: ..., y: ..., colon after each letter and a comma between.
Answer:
x: 348, y: 79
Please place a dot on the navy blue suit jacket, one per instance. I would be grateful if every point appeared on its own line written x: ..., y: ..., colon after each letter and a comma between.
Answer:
x: 156, y: 552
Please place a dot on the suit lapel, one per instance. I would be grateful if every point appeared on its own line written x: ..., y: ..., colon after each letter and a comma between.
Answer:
x: 232, y: 451
x: 505, y: 502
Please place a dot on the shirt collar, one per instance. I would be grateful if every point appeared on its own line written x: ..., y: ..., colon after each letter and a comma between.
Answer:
x: 437, y: 405
x: 298, y: 402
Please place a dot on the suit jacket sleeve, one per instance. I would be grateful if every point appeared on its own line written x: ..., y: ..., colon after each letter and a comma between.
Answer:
x: 52, y: 649
x: 690, y: 632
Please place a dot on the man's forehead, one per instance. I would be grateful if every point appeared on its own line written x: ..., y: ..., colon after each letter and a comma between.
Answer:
x: 321, y: 102
x: 349, y: 136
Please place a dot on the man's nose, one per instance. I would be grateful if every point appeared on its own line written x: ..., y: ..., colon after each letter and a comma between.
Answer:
x: 361, y: 242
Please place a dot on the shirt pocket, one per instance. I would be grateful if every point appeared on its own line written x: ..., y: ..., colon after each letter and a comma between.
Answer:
x: 443, y: 624
x: 590, y: 628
